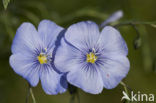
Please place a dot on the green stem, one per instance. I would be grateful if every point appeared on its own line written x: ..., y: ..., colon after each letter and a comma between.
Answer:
x: 72, y: 99
x: 78, y: 97
x: 146, y: 23
x: 32, y: 95
x: 125, y: 87
x: 146, y: 51
x: 126, y: 90
x: 153, y: 24
x: 30, y: 92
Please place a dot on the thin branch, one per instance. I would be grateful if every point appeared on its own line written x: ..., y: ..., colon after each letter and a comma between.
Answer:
x: 72, y: 99
x: 78, y: 96
x: 28, y: 94
x: 153, y: 24
x: 126, y: 88
x: 137, y: 40
x: 32, y: 95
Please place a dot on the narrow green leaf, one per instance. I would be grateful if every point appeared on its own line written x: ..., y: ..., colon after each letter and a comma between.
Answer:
x: 5, y: 3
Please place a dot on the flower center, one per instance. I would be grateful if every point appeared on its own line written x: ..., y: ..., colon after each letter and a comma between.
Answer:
x: 42, y: 58
x: 91, y: 57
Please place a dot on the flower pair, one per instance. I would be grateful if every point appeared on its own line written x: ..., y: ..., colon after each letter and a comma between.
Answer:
x: 86, y: 58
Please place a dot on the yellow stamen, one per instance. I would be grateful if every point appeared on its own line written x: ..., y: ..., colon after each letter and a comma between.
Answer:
x: 42, y: 59
x: 91, y: 57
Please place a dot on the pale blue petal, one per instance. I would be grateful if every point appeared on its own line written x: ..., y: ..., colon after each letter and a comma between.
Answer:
x: 110, y: 40
x: 48, y: 32
x: 67, y: 57
x: 87, y: 78
x: 24, y: 66
x: 114, y: 69
x: 83, y: 34
x: 26, y: 40
x: 51, y: 81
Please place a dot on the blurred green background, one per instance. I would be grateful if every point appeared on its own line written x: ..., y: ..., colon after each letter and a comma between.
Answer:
x: 142, y: 74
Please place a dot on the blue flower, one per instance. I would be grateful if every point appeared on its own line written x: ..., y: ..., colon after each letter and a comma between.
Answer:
x: 32, y: 56
x: 93, y: 60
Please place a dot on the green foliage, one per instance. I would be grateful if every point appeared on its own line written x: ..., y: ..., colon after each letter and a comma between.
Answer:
x: 5, y: 3
x: 65, y: 13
